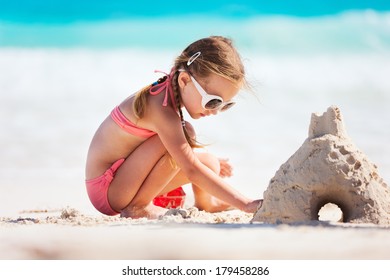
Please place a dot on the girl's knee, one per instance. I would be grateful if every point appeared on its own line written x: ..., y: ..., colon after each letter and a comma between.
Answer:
x: 210, y: 161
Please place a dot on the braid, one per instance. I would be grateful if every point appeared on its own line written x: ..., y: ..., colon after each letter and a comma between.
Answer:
x: 175, y: 87
x: 178, y: 99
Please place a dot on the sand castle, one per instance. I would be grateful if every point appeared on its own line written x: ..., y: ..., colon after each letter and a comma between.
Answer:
x: 327, y: 168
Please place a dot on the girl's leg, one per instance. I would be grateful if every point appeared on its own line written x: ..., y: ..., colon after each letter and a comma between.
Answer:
x: 142, y: 205
x: 203, y: 200
x: 142, y: 176
x: 148, y: 172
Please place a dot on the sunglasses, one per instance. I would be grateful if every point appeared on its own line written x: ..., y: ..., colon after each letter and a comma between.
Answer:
x: 211, y: 102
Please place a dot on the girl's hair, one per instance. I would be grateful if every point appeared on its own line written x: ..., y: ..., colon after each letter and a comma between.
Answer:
x: 217, y: 56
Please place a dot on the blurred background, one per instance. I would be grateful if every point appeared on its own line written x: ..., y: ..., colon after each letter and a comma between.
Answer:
x: 65, y: 64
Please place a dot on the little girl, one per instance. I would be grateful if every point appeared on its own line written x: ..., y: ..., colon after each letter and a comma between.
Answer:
x: 145, y: 148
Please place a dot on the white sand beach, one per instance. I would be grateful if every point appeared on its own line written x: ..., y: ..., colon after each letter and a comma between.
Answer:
x: 69, y: 234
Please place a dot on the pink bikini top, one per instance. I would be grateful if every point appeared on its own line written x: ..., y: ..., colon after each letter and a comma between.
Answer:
x: 129, y: 126
x: 156, y: 88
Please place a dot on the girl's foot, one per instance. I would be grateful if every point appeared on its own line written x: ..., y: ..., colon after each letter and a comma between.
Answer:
x: 149, y: 211
x: 212, y: 205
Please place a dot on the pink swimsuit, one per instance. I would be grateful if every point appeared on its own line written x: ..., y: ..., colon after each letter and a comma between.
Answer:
x: 97, y: 188
x: 128, y: 126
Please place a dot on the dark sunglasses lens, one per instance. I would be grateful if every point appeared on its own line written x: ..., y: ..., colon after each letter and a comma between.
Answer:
x: 213, y: 104
x: 227, y: 106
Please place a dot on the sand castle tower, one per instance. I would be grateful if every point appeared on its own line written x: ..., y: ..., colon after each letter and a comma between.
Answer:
x: 327, y: 168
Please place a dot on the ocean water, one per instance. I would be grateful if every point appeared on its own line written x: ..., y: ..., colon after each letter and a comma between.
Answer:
x: 62, y: 71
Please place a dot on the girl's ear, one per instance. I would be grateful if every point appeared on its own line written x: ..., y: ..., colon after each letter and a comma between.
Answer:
x: 183, y: 79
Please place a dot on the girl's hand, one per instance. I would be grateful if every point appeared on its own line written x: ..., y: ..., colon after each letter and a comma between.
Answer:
x: 226, y: 168
x: 252, y: 206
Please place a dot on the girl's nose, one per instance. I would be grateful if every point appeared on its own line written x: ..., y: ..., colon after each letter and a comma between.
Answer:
x: 213, y: 112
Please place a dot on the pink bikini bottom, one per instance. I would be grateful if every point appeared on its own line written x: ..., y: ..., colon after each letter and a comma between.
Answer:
x: 98, y: 189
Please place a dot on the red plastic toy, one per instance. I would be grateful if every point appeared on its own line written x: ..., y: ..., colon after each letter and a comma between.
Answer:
x: 172, y: 199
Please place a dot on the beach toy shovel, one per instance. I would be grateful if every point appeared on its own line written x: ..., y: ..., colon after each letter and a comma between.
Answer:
x: 172, y: 199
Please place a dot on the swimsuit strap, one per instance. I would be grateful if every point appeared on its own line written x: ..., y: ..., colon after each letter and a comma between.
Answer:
x: 161, y: 85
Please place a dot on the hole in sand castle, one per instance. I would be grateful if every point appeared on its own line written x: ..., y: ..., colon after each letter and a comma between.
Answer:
x: 345, y: 169
x: 357, y: 165
x: 334, y: 155
x: 343, y: 151
x: 330, y: 212
x: 351, y: 160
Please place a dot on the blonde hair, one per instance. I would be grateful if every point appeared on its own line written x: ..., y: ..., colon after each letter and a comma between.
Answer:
x: 217, y: 56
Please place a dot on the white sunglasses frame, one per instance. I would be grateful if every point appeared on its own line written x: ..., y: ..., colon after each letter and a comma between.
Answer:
x: 206, y: 97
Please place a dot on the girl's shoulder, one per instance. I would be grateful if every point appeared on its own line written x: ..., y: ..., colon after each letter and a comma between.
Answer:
x: 155, y: 114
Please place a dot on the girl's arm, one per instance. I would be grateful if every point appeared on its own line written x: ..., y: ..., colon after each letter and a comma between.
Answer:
x: 168, y: 126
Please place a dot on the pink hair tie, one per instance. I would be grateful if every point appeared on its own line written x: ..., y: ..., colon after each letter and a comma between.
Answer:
x: 157, y: 87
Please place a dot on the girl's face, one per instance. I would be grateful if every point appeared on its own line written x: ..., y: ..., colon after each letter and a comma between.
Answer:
x: 213, y: 84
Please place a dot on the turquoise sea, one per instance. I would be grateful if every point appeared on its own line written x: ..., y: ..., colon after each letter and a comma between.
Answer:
x: 266, y: 26
x: 65, y: 64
